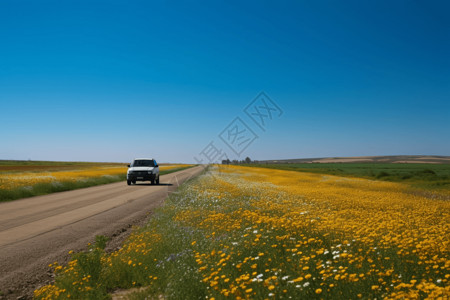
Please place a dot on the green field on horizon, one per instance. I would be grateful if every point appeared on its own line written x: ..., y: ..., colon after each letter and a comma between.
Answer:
x: 430, y: 176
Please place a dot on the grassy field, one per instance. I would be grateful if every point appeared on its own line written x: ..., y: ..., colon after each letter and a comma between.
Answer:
x: 429, y: 176
x: 21, y: 179
x: 253, y: 233
x: 35, y: 165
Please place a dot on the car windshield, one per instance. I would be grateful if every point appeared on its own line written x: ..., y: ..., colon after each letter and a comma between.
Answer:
x: 143, y: 163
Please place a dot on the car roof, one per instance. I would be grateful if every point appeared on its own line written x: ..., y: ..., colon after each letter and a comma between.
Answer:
x: 143, y: 159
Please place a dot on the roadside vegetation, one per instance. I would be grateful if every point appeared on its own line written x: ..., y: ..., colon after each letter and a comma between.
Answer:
x: 22, y: 179
x: 258, y: 233
x: 428, y: 176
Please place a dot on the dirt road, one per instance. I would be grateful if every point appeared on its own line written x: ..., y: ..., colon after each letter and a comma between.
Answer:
x: 38, y: 231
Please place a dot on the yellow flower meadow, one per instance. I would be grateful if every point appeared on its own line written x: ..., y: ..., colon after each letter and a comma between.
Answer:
x: 329, y: 230
x: 254, y: 233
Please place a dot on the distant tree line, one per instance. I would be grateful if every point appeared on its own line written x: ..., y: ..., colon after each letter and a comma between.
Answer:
x: 247, y: 160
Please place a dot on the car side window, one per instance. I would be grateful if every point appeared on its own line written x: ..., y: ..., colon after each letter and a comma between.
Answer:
x: 154, y: 163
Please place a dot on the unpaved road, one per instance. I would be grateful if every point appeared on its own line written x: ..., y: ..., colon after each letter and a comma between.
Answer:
x: 38, y: 231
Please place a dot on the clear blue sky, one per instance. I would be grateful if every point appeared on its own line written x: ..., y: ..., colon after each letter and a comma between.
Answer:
x: 113, y: 80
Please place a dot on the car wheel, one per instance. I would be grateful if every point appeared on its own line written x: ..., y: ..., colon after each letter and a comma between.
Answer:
x: 129, y: 182
x: 157, y: 180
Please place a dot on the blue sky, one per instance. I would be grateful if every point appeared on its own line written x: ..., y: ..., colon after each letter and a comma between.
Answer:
x: 113, y: 80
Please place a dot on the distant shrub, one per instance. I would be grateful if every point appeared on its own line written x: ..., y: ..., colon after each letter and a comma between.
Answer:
x: 382, y: 174
x: 428, y: 171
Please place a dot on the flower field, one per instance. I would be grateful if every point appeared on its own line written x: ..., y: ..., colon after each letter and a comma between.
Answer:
x: 28, y: 179
x: 15, y: 183
x: 254, y: 233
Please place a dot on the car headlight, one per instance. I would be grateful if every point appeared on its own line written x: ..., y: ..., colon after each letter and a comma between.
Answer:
x: 150, y: 172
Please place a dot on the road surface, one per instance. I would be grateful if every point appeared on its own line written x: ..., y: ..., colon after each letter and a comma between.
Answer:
x: 38, y: 231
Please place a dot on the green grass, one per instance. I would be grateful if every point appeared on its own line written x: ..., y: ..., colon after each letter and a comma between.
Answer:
x: 61, y: 186
x: 50, y: 163
x: 429, y: 176
x: 18, y: 166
